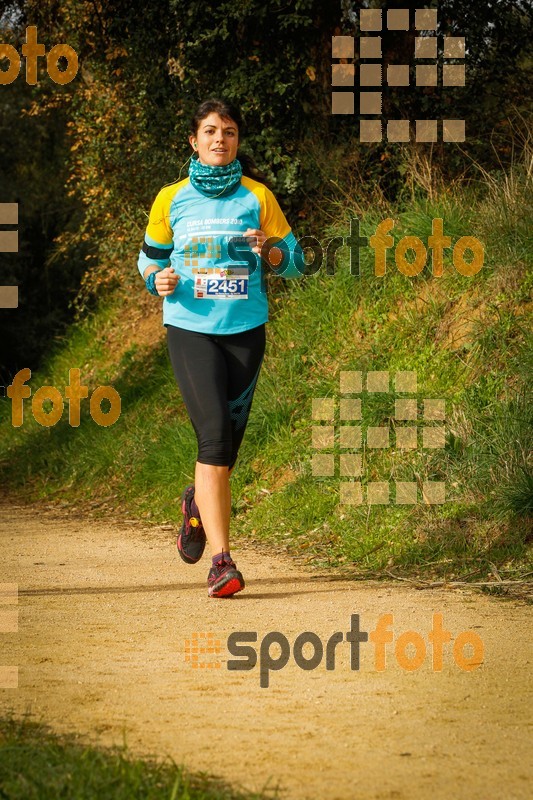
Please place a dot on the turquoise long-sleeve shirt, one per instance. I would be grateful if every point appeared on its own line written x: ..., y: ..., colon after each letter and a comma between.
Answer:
x: 222, y: 286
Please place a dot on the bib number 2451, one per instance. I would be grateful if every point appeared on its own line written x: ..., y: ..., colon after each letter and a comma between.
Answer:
x: 223, y: 284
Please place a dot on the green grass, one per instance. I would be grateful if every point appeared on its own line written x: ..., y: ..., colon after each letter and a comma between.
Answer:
x: 35, y: 764
x: 468, y: 338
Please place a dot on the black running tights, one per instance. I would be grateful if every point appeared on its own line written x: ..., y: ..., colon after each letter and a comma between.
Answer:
x: 216, y: 375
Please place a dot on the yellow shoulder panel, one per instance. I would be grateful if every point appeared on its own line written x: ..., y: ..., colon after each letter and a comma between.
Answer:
x: 272, y: 218
x: 159, y: 227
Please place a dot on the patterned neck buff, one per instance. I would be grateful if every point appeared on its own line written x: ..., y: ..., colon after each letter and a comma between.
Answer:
x: 215, y: 181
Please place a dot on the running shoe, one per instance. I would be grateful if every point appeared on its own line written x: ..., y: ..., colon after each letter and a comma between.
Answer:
x: 224, y: 579
x: 191, y: 538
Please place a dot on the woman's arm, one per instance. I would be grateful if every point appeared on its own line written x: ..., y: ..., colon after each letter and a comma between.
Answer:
x: 284, y: 254
x: 154, y: 257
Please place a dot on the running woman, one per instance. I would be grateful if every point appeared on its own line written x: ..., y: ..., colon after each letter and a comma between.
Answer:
x: 202, y: 253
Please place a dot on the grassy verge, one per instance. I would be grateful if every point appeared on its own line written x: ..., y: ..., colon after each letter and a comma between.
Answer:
x: 35, y: 764
x: 467, y: 338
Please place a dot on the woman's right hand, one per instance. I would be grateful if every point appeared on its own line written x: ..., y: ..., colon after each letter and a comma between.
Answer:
x: 166, y: 281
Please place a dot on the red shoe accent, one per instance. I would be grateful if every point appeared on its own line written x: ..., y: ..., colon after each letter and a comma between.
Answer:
x: 224, y: 579
x: 233, y: 586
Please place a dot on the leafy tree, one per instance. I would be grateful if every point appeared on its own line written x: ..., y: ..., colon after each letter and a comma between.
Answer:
x: 86, y: 159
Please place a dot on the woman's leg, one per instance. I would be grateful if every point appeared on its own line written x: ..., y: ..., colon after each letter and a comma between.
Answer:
x: 212, y: 495
x: 200, y: 370
x: 216, y: 376
x: 244, y: 355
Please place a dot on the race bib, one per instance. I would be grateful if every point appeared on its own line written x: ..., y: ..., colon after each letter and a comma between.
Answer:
x: 221, y: 284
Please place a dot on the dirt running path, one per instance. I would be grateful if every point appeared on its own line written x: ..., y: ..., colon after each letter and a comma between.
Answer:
x: 104, y: 615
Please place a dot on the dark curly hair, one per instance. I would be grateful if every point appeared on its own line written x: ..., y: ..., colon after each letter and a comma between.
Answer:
x: 228, y: 110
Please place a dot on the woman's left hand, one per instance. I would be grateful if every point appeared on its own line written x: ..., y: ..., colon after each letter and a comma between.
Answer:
x: 260, y: 237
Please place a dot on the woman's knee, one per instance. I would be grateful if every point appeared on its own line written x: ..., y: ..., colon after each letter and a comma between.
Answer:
x: 217, y: 452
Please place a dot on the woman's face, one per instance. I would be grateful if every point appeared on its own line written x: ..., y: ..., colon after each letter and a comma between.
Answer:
x: 217, y: 140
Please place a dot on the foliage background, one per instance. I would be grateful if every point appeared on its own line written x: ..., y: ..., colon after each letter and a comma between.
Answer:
x: 87, y: 158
